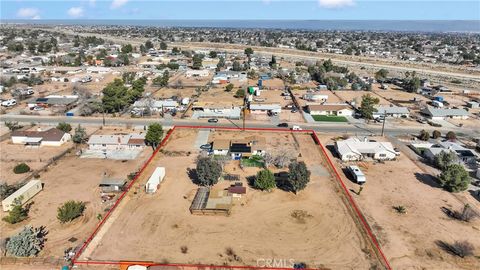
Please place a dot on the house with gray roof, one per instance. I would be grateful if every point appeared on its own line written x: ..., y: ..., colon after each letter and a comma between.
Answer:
x: 442, y: 113
x: 391, y: 111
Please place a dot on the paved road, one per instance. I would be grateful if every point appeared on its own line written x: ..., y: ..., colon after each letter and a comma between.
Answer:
x: 337, y: 128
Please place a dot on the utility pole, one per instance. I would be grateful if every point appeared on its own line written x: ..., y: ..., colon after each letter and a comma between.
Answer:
x: 384, y: 118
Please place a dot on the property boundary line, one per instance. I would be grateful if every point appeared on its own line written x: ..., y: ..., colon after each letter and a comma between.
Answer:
x: 163, y: 142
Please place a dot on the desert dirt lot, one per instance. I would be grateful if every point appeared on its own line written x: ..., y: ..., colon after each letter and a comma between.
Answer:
x: 409, y: 240
x: 350, y: 95
x: 71, y: 179
x: 155, y: 227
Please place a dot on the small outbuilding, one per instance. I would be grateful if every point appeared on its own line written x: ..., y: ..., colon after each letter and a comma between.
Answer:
x: 112, y: 185
x: 22, y: 195
x: 154, y: 181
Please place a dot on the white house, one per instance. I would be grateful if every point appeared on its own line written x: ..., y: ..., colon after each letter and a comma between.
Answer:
x: 197, y: 73
x: 155, y: 179
x: 353, y: 149
x: 98, y: 70
x: 440, y: 113
x: 330, y: 109
x: 116, y: 142
x: 256, y: 108
x: 22, y: 195
x: 221, y: 147
x: 50, y: 137
x: 391, y: 111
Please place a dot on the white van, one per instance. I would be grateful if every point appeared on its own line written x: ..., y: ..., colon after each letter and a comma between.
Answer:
x: 357, y: 174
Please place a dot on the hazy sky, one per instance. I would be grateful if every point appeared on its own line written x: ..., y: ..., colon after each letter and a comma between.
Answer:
x: 246, y: 9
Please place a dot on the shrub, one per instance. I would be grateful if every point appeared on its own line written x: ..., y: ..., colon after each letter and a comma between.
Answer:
x: 467, y: 213
x: 21, y: 168
x: 436, y: 134
x: 451, y: 136
x: 454, y: 178
x: 17, y: 214
x: 265, y: 180
x: 7, y: 190
x: 461, y: 249
x: 28, y: 242
x: 65, y: 127
x: 444, y: 159
x: 184, y: 249
x: 424, y: 135
x: 400, y: 209
x: 70, y: 211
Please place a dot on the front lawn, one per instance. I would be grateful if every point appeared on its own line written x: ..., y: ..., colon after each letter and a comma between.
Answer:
x: 329, y: 118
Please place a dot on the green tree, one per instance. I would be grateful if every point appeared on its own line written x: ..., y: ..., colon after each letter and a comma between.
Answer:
x: 229, y: 87
x: 273, y: 62
x: 240, y: 93
x: 265, y: 180
x: 197, y: 61
x: 248, y: 51
x: 220, y: 64
x: 143, y: 49
x: 367, y: 107
x: 208, y: 171
x: 424, y: 135
x: 163, y: 46
x: 162, y: 81
x: 328, y: 65
x: 115, y: 96
x: 65, y: 127
x: 381, y: 75
x: 454, y: 178
x: 236, y: 66
x: 411, y: 82
x: 80, y: 135
x: 28, y: 242
x: 298, y: 176
x: 21, y: 168
x: 436, y: 134
x: 444, y: 159
x: 17, y: 214
x: 213, y: 54
x: 148, y: 45
x: 451, y: 136
x: 12, y: 126
x: 70, y: 211
x: 127, y: 48
x: 175, y: 50
x: 154, y: 135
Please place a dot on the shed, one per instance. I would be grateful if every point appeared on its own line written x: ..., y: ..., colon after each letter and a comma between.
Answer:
x: 112, y: 184
x: 25, y: 193
x: 157, y: 177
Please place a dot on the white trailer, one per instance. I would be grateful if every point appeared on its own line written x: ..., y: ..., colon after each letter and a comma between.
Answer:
x: 25, y: 193
x: 357, y: 174
x: 157, y: 177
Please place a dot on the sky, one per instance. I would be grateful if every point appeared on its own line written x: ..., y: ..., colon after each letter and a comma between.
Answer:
x: 240, y: 10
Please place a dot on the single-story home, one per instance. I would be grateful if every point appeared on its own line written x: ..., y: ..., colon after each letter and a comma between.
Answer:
x: 50, y: 137
x: 391, y: 111
x: 464, y: 155
x: 157, y: 105
x: 330, y: 109
x: 315, y: 97
x: 116, y: 142
x: 441, y: 113
x: 250, y: 146
x: 53, y: 101
x: 216, y: 110
x: 197, y: 73
x: 354, y: 149
x: 257, y: 108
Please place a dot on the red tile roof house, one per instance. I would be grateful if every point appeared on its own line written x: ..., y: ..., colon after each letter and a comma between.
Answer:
x: 50, y: 137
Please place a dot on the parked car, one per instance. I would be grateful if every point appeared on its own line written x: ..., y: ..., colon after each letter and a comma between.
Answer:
x: 206, y: 146
x: 357, y: 174
x: 282, y: 125
x: 397, y: 151
x: 213, y: 120
x: 421, y: 121
x: 294, y: 110
x: 38, y: 108
x: 9, y: 103
x: 296, y: 128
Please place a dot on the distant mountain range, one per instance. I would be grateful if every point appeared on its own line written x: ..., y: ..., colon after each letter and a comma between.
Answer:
x: 345, y: 25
